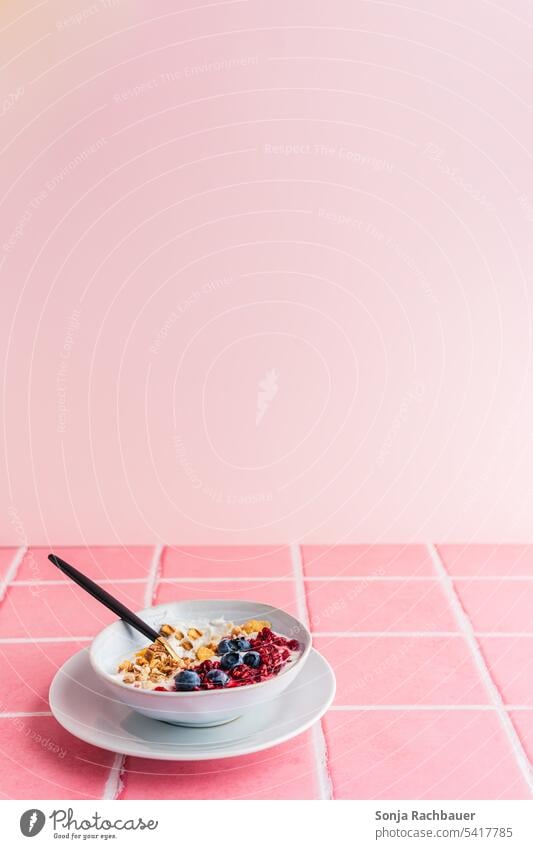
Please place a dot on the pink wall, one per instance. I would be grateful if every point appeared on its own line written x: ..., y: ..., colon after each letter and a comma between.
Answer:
x: 266, y: 271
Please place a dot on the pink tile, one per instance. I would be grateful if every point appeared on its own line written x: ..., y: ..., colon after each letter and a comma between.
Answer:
x: 498, y: 605
x: 42, y: 761
x: 510, y: 660
x: 523, y: 722
x: 284, y: 772
x: 28, y: 671
x: 6, y: 557
x: 402, y: 670
x: 421, y: 755
x: 364, y: 560
x: 378, y: 606
x: 97, y: 562
x: 244, y: 561
x: 57, y: 610
x: 487, y: 559
x: 278, y: 593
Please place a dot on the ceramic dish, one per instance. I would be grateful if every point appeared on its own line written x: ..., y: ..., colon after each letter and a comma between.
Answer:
x: 81, y: 703
x: 203, y: 707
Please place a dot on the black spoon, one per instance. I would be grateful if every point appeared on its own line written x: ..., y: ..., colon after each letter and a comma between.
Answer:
x: 111, y: 602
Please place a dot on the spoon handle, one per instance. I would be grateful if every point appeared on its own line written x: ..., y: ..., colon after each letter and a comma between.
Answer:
x: 104, y: 597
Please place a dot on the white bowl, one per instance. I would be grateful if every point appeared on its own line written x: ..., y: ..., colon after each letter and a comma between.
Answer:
x: 202, y: 707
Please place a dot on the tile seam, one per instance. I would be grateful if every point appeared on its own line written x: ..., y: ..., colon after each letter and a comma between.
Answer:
x: 340, y: 709
x: 528, y: 634
x: 14, y: 714
x: 27, y: 582
x: 415, y: 707
x: 23, y: 640
x: 12, y: 569
x: 467, y: 629
x: 318, y: 738
x: 153, y: 575
x: 114, y: 783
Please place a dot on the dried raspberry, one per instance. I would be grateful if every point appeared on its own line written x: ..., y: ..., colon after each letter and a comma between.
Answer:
x: 293, y: 645
x: 241, y: 672
x: 206, y: 666
x: 269, y: 654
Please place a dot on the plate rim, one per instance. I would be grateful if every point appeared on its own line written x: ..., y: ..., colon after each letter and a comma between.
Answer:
x: 209, y: 754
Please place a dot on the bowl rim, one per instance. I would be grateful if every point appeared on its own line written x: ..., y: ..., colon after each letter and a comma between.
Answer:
x: 107, y: 676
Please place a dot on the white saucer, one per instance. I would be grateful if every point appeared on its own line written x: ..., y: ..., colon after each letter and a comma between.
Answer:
x: 82, y: 706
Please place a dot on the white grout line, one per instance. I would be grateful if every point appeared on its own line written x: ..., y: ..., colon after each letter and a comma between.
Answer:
x: 65, y: 639
x: 339, y: 708
x: 325, y: 785
x: 15, y: 714
x: 495, y: 697
x: 58, y: 582
x: 235, y: 579
x: 378, y: 578
x: 492, y: 577
x: 194, y: 579
x: 153, y: 575
x: 114, y: 785
x: 421, y: 634
x: 298, y: 578
x: 387, y: 634
x: 12, y: 570
x: 429, y: 707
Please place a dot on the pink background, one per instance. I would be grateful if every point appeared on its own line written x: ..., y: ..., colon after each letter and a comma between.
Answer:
x: 265, y: 271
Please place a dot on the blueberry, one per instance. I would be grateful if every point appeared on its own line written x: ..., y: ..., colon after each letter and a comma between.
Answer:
x: 230, y: 659
x: 187, y: 680
x: 253, y: 659
x: 224, y: 646
x: 217, y: 677
x: 240, y: 644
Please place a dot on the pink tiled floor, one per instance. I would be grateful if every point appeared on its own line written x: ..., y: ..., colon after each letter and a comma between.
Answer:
x: 398, y: 605
x: 30, y: 673
x: 237, y: 562
x: 287, y: 771
x: 278, y: 593
x: 421, y: 755
x: 100, y: 563
x: 42, y: 761
x: 413, y: 717
x: 402, y: 670
x: 365, y: 560
x: 488, y: 560
x: 60, y: 610
x: 511, y: 662
x: 498, y: 605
